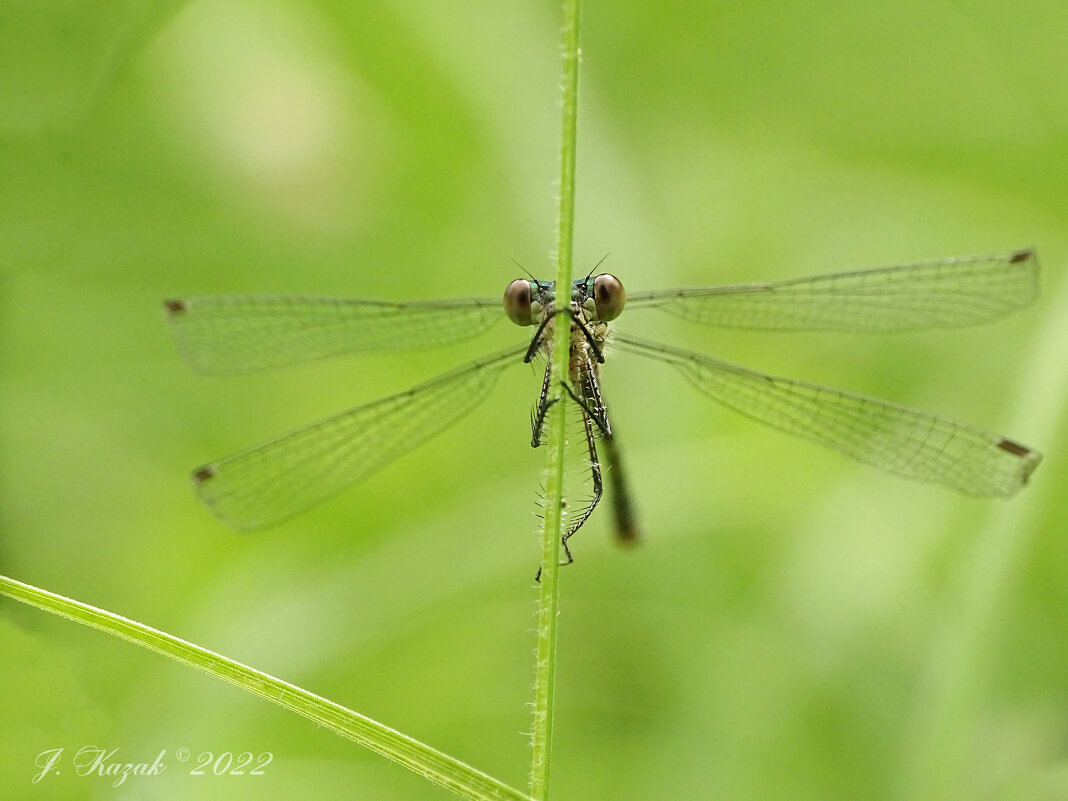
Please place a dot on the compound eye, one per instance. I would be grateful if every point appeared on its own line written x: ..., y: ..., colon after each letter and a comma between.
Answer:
x: 517, y: 302
x: 608, y: 296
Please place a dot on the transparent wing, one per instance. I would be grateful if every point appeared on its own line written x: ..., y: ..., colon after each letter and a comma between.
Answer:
x: 274, y: 481
x: 904, y: 441
x: 226, y: 334
x: 934, y: 294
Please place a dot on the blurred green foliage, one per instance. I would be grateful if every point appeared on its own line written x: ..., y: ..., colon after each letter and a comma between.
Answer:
x: 793, y: 626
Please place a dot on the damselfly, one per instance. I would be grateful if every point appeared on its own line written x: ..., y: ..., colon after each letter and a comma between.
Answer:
x: 266, y: 484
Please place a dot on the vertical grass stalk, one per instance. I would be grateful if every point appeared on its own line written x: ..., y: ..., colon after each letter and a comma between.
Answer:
x: 557, y: 436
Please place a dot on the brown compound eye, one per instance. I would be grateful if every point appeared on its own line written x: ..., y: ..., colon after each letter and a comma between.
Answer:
x: 517, y: 302
x: 608, y: 296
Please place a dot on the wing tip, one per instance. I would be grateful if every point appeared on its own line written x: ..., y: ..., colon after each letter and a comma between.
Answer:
x: 203, y: 478
x: 1029, y: 460
x: 175, y: 306
x: 1025, y: 254
x: 202, y: 475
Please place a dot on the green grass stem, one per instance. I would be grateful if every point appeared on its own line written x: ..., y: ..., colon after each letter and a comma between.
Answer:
x: 548, y: 601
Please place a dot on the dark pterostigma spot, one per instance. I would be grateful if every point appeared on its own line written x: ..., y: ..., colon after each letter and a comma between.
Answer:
x: 202, y: 474
x: 175, y: 306
x: 1015, y: 448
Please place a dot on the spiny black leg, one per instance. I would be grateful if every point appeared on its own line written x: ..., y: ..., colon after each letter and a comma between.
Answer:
x: 588, y: 335
x: 599, y: 418
x: 535, y: 341
x: 625, y: 518
x: 591, y: 391
x: 598, y: 486
x: 570, y: 559
x: 537, y: 417
x: 537, y: 421
x: 598, y: 490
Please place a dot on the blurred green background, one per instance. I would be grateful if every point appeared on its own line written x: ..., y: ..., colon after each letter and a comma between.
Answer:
x: 793, y: 625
